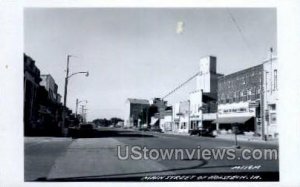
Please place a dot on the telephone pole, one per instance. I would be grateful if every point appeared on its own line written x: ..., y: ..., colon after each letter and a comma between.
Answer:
x: 66, y: 93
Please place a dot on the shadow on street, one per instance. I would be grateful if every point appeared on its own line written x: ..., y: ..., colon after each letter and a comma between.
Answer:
x: 108, y: 133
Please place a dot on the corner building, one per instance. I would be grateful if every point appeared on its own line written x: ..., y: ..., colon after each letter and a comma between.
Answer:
x: 248, y: 98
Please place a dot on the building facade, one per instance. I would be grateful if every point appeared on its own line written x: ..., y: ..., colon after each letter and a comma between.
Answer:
x: 240, y: 99
x: 203, y: 101
x: 166, y: 122
x: 157, y: 113
x: 49, y: 83
x: 271, y: 97
x: 248, y: 97
x: 181, y: 118
x: 134, y: 108
x: 42, y: 104
x: 196, y: 117
x: 31, y: 86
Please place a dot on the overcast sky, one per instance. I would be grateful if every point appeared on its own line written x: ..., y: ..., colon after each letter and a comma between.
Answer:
x: 138, y: 53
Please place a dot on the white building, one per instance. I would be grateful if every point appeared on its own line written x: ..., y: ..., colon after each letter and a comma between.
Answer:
x: 133, y: 109
x: 181, y: 117
x: 270, y: 96
x: 196, y: 117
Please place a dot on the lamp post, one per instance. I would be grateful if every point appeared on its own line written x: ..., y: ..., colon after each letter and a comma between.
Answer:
x: 66, y: 90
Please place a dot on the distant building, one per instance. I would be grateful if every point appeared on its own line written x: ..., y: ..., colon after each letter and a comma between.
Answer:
x: 134, y: 108
x: 157, y: 111
x: 196, y: 109
x: 181, y: 117
x: 166, y: 121
x: 31, y: 85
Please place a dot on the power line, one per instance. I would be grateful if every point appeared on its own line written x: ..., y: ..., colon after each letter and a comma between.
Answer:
x: 239, y: 30
x: 182, y: 84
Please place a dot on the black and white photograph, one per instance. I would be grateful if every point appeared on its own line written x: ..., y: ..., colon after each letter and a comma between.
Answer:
x: 150, y: 94
x: 140, y: 94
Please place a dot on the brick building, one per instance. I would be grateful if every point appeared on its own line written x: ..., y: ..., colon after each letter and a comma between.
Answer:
x: 248, y: 97
x: 239, y: 98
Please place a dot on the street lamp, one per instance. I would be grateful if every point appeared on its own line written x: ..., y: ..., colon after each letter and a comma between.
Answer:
x: 66, y: 88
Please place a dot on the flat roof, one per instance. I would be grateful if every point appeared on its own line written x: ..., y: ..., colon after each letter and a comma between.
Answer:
x: 138, y: 101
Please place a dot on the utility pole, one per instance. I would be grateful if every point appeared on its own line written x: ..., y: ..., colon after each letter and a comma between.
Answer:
x: 83, y: 113
x: 65, y: 95
x: 267, y: 108
x: 66, y: 92
x: 201, y: 111
x: 77, y: 103
x: 262, y: 121
x: 189, y: 122
x: 271, y: 71
x: 76, y: 108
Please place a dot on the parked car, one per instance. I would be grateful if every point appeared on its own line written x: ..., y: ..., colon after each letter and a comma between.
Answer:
x: 202, y: 132
x: 86, y: 130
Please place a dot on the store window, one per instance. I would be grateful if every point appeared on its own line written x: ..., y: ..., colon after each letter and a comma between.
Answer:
x: 272, y: 107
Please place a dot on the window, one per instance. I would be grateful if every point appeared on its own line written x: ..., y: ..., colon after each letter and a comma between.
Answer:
x: 249, y: 95
x: 258, y: 91
x: 272, y: 107
x: 275, y: 79
x: 273, y: 118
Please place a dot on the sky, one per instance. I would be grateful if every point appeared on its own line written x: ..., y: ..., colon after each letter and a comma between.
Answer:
x: 142, y: 52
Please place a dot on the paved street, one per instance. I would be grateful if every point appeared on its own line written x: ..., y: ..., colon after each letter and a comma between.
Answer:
x: 49, y: 158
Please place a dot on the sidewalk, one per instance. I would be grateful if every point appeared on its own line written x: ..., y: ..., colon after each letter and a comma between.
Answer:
x: 231, y: 137
x: 247, y: 138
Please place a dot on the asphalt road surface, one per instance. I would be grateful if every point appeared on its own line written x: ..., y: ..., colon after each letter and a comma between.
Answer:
x: 96, y: 158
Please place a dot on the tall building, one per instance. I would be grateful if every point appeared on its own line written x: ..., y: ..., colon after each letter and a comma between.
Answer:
x: 203, y: 101
x: 208, y: 77
x: 248, y: 98
x: 239, y: 99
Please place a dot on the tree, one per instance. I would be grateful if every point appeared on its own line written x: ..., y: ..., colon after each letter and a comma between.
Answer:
x: 115, y: 120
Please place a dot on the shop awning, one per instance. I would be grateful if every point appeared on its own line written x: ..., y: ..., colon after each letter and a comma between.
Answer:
x: 154, y: 121
x: 229, y: 120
